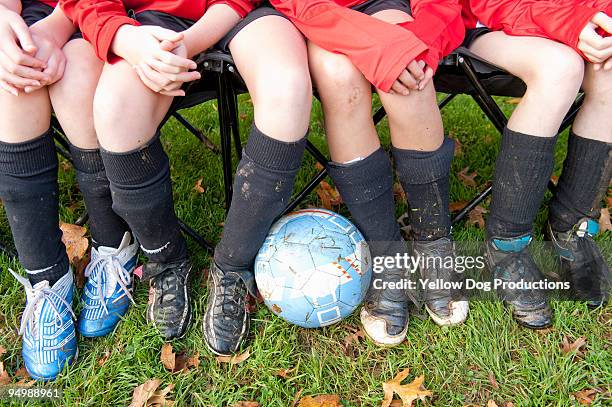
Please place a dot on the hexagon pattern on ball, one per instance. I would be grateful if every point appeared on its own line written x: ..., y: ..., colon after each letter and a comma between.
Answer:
x: 314, y: 268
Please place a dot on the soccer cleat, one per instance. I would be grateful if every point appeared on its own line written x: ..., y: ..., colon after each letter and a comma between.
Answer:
x: 108, y: 290
x: 47, y: 327
x: 582, y: 263
x: 446, y: 307
x: 226, y: 320
x: 169, y: 308
x: 510, y: 262
x: 384, y: 315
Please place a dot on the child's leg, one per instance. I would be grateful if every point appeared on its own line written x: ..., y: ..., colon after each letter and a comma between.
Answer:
x: 553, y: 73
x: 270, y: 54
x: 583, y: 183
x: 72, y: 100
x: 126, y: 117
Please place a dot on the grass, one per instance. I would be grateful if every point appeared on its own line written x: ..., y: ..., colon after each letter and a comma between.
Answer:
x: 529, y: 368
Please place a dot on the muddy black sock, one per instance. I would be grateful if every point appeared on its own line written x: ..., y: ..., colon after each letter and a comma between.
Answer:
x: 424, y: 175
x: 29, y: 192
x: 262, y: 189
x: 142, y: 195
x: 366, y: 187
x: 106, y: 227
x: 583, y: 183
x: 522, y: 170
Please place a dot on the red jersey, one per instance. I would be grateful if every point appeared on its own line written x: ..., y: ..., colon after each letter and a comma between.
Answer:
x: 378, y: 49
x: 99, y: 20
x: 559, y: 20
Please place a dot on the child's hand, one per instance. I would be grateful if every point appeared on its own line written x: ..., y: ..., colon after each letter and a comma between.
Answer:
x: 54, y: 58
x: 18, y: 67
x: 164, y: 78
x: 596, y: 48
x: 413, y: 77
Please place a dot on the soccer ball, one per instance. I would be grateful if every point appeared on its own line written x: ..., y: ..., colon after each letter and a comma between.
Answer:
x: 314, y: 268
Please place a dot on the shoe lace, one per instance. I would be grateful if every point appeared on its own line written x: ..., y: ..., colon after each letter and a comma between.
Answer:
x: 232, y: 293
x: 111, y: 266
x: 36, y: 297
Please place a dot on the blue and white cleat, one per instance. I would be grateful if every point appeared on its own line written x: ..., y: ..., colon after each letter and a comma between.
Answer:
x: 108, y: 290
x: 47, y: 327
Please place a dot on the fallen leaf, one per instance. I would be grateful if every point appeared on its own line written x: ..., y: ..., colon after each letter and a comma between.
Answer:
x: 296, y: 398
x: 352, y: 339
x: 398, y: 192
x: 104, y: 358
x: 567, y: 347
x: 323, y: 400
x: 457, y: 206
x: 467, y: 178
x: 514, y: 101
x: 25, y: 382
x: 604, y: 220
x: 407, y: 392
x: 329, y: 196
x: 74, y: 238
x: 234, y: 360
x: 284, y: 373
x: 476, y: 218
x: 609, y: 201
x: 194, y: 361
x: 246, y: 404
x: 198, y: 186
x: 545, y: 331
x: 508, y: 404
x: 493, y: 381
x: 554, y: 179
x: 79, y: 270
x: 492, y: 403
x: 585, y: 397
x: 22, y: 373
x: 147, y: 395
x: 276, y: 309
x: 168, y: 357
x: 4, y: 376
x: 2, y: 350
x: 318, y: 166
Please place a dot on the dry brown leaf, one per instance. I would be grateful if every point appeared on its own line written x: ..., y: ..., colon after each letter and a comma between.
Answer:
x: 554, y: 179
x: 514, y: 101
x: 407, y: 392
x: 2, y: 350
x: 193, y: 361
x: 398, y: 192
x: 104, y: 358
x: 198, y: 186
x: 352, y: 338
x: 296, y: 398
x: 168, y: 357
x: 493, y: 381
x: 22, y: 373
x: 158, y: 399
x: 567, y: 347
x: 585, y: 397
x: 329, y: 196
x: 457, y: 206
x: 508, y: 404
x: 323, y: 400
x: 609, y: 201
x: 476, y: 218
x: 492, y: 403
x: 25, y: 382
x: 143, y: 392
x: 319, y: 166
x: 467, y: 178
x: 246, y: 404
x: 74, y: 238
x: 284, y: 373
x: 234, y: 360
x: 604, y: 220
x: 4, y: 376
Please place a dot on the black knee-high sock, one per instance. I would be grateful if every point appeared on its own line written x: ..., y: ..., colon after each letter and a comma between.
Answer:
x: 29, y: 191
x: 106, y: 227
x: 142, y: 195
x: 522, y: 170
x: 424, y: 175
x: 262, y: 189
x: 366, y: 187
x: 586, y: 173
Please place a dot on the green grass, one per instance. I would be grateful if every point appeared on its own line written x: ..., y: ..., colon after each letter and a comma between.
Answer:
x: 457, y: 362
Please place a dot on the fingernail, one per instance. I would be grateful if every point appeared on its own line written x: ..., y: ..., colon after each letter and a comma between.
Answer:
x: 406, y: 93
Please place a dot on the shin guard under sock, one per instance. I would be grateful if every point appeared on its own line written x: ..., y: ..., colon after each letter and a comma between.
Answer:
x: 29, y: 192
x: 106, y: 227
x: 262, y: 189
x: 424, y: 175
x: 583, y: 183
x: 142, y: 195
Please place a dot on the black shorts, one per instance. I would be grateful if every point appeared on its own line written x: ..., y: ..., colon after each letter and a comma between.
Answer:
x: 374, y: 6
x: 471, y: 35
x: 33, y: 11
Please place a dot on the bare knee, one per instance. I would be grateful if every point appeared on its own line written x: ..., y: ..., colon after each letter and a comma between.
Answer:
x: 342, y: 87
x: 558, y: 69
x: 597, y: 85
x: 285, y: 87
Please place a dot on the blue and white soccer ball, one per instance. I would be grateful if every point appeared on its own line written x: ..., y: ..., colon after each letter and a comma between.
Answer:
x: 314, y: 268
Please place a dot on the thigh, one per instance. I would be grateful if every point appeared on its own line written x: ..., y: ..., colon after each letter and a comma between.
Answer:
x: 72, y: 96
x: 271, y: 56
x: 127, y: 114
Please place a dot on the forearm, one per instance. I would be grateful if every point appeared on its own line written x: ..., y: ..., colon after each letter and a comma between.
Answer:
x: 208, y: 30
x: 57, y: 27
x: 12, y: 5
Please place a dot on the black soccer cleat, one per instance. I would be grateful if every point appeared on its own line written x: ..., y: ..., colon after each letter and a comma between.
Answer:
x: 511, y: 262
x: 582, y: 264
x: 384, y: 315
x: 169, y: 308
x: 445, y: 306
x: 226, y: 320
